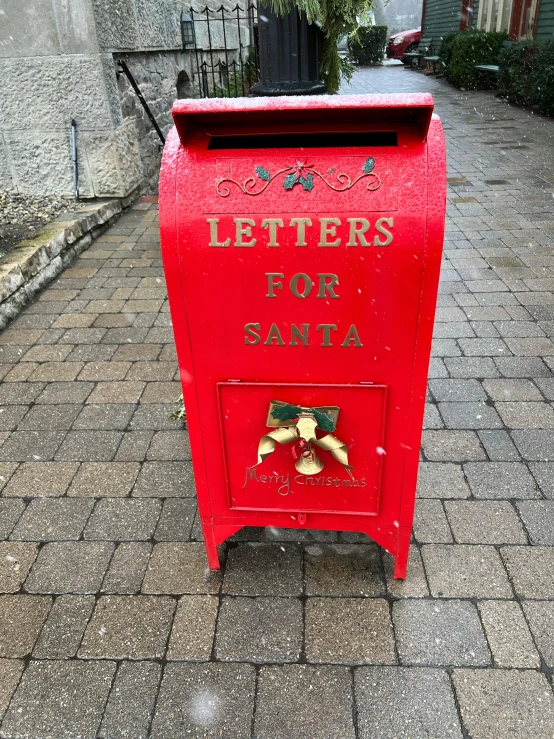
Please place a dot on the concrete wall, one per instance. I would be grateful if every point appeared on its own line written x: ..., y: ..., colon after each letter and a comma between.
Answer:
x: 58, y: 62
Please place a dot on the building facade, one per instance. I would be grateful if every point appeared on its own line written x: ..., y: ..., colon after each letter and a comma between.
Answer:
x: 522, y: 19
x: 59, y: 62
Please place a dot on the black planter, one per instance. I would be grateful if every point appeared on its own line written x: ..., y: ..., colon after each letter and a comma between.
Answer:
x: 289, y: 55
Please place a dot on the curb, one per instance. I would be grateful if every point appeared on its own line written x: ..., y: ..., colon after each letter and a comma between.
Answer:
x: 35, y: 262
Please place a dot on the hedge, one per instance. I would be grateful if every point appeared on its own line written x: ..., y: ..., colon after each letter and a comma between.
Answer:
x: 445, y: 51
x: 468, y: 50
x: 526, y: 75
x: 367, y: 46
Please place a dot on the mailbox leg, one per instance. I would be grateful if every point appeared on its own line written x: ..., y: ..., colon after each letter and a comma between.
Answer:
x: 211, y: 546
x: 402, y: 554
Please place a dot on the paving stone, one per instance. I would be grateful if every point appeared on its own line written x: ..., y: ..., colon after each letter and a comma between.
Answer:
x: 169, y: 445
x: 131, y: 702
x: 106, y: 371
x: 522, y: 367
x: 59, y: 699
x: 512, y: 390
x: 540, y: 615
x: 499, y: 446
x: 155, y: 416
x: 439, y: 480
x: 64, y: 627
x: 201, y: 700
x: 470, y: 367
x: 508, y: 634
x: 120, y: 519
x: 42, y: 479
x: 105, y: 416
x: 136, y: 352
x: 70, y: 567
x: 21, y: 619
x: 94, y: 446
x: 166, y: 480
x: 531, y: 570
x: 457, y: 390
x: 10, y: 512
x: 16, y: 560
x: 10, y: 672
x: 56, y: 372
x: 304, y: 702
x: 104, y: 479
x: 439, y: 633
x: 469, y: 416
x: 133, y: 446
x: 128, y: 627
x: 430, y: 524
x: 64, y: 392
x: 49, y: 417
x: 546, y: 386
x: 259, y: 630
x: 451, y: 446
x: 521, y: 702
x: 116, y: 392
x: 543, y: 472
x: 6, y: 471
x: 176, y: 520
x: 402, y: 702
x: 179, y: 568
x: 127, y: 568
x: 91, y: 353
x: 463, y: 571
x: 151, y: 371
x: 484, y: 522
x: 432, y: 418
x: 11, y: 416
x: 538, y: 518
x: 526, y: 415
x: 342, y: 569
x: 535, y: 444
x: 19, y: 393
x: 365, y: 634
x: 263, y: 569
x: 24, y: 446
x: 500, y: 480
x: 192, y: 635
x: 50, y: 519
x: 415, y: 584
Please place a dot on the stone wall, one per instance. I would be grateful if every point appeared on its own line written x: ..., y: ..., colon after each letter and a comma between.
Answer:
x: 58, y: 63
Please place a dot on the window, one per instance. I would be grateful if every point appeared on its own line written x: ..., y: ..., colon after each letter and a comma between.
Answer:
x: 494, y: 15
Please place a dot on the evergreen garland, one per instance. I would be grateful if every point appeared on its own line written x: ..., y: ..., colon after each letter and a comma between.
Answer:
x: 336, y: 18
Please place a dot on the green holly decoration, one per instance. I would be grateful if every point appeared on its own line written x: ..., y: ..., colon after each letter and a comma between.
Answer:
x: 263, y: 174
x: 368, y: 165
x: 323, y: 420
x: 290, y: 181
x: 285, y: 412
x: 307, y: 182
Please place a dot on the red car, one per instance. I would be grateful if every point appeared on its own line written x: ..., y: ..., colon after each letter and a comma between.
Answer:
x: 403, y: 42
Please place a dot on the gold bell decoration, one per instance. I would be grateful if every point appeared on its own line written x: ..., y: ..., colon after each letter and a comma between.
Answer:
x: 298, y: 424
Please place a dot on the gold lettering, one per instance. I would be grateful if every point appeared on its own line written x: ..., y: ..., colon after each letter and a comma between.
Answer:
x: 297, y: 334
x: 272, y: 224
x: 213, y: 234
x: 301, y: 224
x: 358, y: 227
x: 352, y: 335
x: 274, y: 335
x: 308, y: 285
x: 244, y: 228
x: 252, y: 337
x: 325, y: 286
x: 385, y: 232
x: 326, y: 328
x: 328, y: 228
x: 273, y: 284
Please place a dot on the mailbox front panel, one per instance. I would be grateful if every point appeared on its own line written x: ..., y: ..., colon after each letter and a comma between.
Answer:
x: 300, y: 275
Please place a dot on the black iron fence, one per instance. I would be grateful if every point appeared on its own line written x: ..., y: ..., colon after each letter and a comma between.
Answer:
x: 226, y: 50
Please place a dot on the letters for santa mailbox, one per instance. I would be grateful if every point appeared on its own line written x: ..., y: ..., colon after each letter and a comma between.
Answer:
x: 302, y: 241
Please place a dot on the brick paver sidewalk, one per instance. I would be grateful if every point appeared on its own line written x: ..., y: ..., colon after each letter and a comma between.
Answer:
x: 109, y: 624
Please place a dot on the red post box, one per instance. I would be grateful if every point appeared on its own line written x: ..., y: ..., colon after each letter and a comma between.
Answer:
x: 302, y: 241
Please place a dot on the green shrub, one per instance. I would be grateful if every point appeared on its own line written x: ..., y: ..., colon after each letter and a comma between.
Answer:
x: 470, y: 49
x: 542, y: 95
x: 367, y: 45
x: 445, y: 51
x: 517, y: 62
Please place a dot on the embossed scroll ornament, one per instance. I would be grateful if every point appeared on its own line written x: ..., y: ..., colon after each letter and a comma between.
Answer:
x: 300, y: 174
x: 297, y: 424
